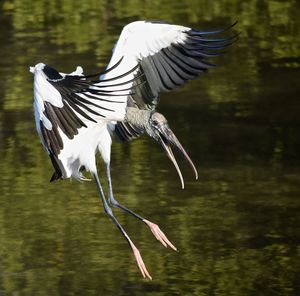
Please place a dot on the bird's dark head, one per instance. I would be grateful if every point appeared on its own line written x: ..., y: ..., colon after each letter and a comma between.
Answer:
x: 157, y: 124
x: 158, y: 128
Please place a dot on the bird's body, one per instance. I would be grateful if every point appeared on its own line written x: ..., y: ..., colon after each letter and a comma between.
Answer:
x: 75, y: 116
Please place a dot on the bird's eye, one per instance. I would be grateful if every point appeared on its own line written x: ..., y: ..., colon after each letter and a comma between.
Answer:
x: 155, y: 123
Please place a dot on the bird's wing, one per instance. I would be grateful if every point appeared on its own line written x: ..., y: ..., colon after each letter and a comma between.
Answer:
x: 168, y: 56
x: 65, y: 103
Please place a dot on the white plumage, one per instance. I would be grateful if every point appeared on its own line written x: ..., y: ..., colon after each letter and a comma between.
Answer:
x: 75, y: 115
x: 141, y: 39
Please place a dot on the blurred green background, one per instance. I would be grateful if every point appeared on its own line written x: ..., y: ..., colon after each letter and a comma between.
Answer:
x: 236, y: 228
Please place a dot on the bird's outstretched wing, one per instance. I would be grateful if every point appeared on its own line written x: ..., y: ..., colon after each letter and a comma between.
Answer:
x: 168, y: 56
x: 64, y: 103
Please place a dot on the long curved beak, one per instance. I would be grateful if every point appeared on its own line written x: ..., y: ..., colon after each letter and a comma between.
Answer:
x: 167, y: 137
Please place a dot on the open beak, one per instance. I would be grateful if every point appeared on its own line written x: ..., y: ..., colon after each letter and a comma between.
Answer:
x: 167, y: 137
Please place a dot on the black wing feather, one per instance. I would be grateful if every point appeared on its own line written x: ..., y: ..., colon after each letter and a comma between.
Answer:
x: 172, y: 66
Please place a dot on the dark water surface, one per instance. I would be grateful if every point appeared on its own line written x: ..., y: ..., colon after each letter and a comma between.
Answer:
x: 237, y: 228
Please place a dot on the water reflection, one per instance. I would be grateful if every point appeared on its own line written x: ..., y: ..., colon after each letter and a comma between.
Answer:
x: 236, y: 228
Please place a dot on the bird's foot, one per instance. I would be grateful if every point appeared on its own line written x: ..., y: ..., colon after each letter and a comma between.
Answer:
x: 160, y: 236
x: 139, y: 261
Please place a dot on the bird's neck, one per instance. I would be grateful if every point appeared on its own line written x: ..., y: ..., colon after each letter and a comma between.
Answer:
x: 137, y: 117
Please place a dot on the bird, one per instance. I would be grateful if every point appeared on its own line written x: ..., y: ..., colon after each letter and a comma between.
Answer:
x: 76, y: 115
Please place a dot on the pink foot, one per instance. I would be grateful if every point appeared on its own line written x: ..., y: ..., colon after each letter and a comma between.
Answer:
x: 140, y: 261
x: 160, y: 236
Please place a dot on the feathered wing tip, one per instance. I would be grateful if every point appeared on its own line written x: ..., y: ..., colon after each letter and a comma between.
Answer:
x: 204, y: 43
x: 99, y: 74
x: 214, y: 32
x: 105, y: 71
x: 98, y: 82
x: 55, y: 177
x: 77, y: 72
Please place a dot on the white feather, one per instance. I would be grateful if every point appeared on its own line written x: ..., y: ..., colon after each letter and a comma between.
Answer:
x: 80, y: 151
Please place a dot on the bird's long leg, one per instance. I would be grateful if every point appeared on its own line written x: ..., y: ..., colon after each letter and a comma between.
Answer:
x: 109, y: 212
x: 160, y: 236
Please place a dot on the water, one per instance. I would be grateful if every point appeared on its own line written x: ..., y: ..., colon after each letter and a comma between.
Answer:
x: 236, y: 228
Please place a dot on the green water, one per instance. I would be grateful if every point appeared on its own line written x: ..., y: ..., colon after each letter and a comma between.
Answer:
x: 237, y: 228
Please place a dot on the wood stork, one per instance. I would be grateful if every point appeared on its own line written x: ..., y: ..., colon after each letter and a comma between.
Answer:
x: 76, y: 114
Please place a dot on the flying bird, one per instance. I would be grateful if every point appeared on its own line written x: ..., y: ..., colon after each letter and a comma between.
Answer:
x: 77, y: 114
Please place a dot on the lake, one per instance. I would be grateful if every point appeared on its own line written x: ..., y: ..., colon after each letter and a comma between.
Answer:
x: 237, y: 228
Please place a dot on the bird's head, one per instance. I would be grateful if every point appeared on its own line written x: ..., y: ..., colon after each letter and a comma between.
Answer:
x: 158, y: 128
